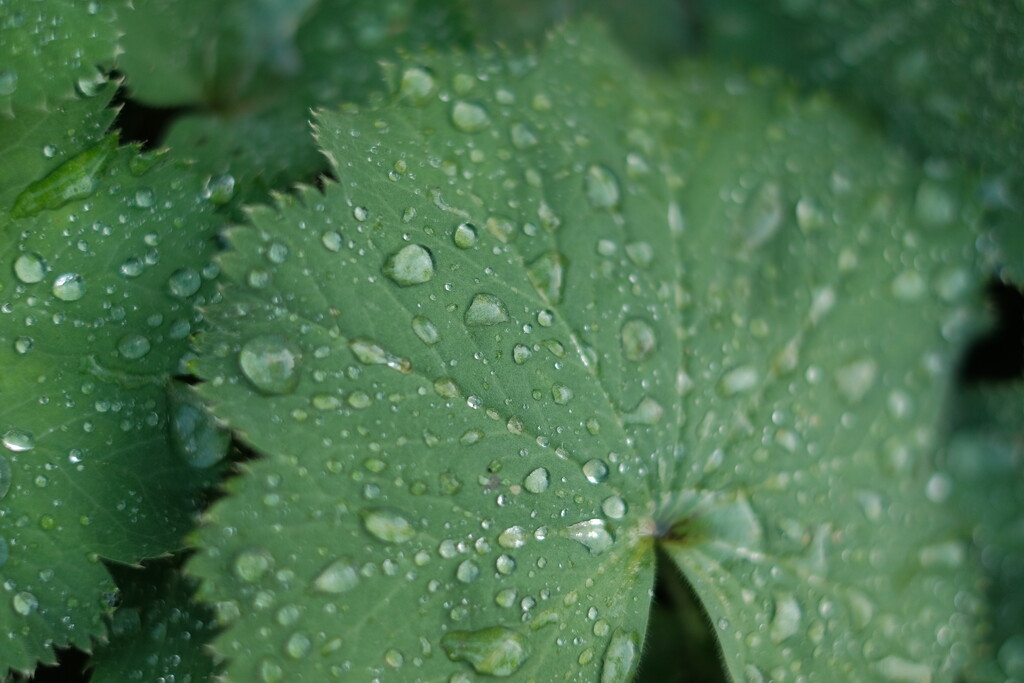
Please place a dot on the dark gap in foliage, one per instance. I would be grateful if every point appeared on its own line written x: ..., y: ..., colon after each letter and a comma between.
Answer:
x: 681, y: 645
x: 70, y: 668
x: 143, y: 124
x: 998, y: 355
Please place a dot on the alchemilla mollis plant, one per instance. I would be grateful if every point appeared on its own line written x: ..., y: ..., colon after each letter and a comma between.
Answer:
x: 444, y: 341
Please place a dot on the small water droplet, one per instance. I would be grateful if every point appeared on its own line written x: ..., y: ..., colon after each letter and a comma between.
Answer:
x: 417, y: 85
x: 69, y: 287
x: 145, y: 198
x: 485, y: 309
x: 521, y: 353
x: 388, y: 524
x: 523, y: 136
x: 638, y: 340
x: 513, y: 537
x: 332, y: 240
x: 24, y: 603
x: 856, y: 379
x: 271, y: 363
x: 250, y: 565
x: 547, y: 274
x: 786, y: 622
x: 340, y: 576
x: 425, y: 330
x: 467, y: 571
x: 494, y: 651
x: 360, y: 213
x: 23, y: 344
x: 133, y: 346
x: 647, y: 412
x: 739, y: 380
x: 763, y: 216
x: 592, y: 534
x: 446, y: 387
x: 369, y: 352
x: 537, y: 481
x: 18, y: 440
x: 411, y: 265
x: 183, y: 283
x: 30, y: 268
x: 620, y: 657
x: 464, y: 236
x: 596, y: 471
x: 394, y: 658
x: 614, y: 507
x: 470, y: 117
x: 298, y: 645
x: 601, y: 187
x: 271, y: 671
x: 561, y: 394
x: 219, y: 189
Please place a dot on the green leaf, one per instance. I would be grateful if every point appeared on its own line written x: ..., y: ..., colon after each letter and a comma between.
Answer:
x: 108, y: 253
x: 158, y: 632
x: 554, y: 313
x: 54, y: 48
x: 253, y: 99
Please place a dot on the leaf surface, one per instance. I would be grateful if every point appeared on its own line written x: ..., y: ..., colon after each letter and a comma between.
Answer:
x: 554, y: 313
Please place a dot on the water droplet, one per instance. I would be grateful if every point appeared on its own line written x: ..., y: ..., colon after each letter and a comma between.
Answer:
x: 596, y: 471
x: 856, y: 379
x: 340, y: 576
x: 23, y: 344
x: 411, y: 265
x: 470, y: 117
x: 934, y: 205
x: 513, y: 537
x: 69, y: 287
x: 332, y: 240
x: 505, y: 564
x: 195, y: 435
x: 620, y: 657
x: 537, y: 481
x: 523, y: 136
x: 298, y: 645
x: 592, y: 534
x: 369, y: 352
x: 388, y: 524
x: 950, y: 554
x: 30, y: 268
x: 271, y: 363
x: 271, y: 671
x: 219, y: 189
x: 464, y: 236
x: 447, y: 388
x: 786, y: 622
x: 486, y: 309
x: 183, y: 283
x: 614, y: 507
x: 425, y: 330
x: 471, y: 437
x: 417, y: 85
x: 739, y: 380
x: 898, y: 669
x: 76, y: 178
x: 561, y: 394
x: 250, y: 565
x: 394, y: 658
x: 638, y: 340
x: 8, y: 81
x: 133, y: 346
x: 18, y: 440
x: 467, y: 571
x: 145, y: 198
x: 495, y: 651
x: 763, y: 216
x: 547, y: 274
x: 521, y: 353
x: 132, y: 267
x: 601, y: 187
x: 24, y: 603
x: 647, y: 412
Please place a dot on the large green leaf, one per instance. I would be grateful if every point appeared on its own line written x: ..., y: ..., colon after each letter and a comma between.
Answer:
x: 105, y: 252
x: 554, y: 313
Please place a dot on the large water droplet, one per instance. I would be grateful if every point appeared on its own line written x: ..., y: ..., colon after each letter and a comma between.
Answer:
x: 133, y: 346
x: 486, y: 309
x: 388, y: 524
x: 620, y: 658
x: 250, y: 565
x: 417, y: 85
x: 537, y: 481
x: 340, y: 576
x: 411, y: 265
x: 592, y: 534
x: 271, y: 363
x: 183, y: 283
x: 464, y: 236
x: 30, y: 268
x: 298, y: 645
x: 601, y: 187
x: 786, y: 622
x: 547, y: 274
x: 470, y: 117
x: 614, y: 507
x: 425, y: 330
x: 467, y: 571
x: 69, y: 287
x: 219, y: 189
x: 195, y: 435
x: 596, y: 471
x: 513, y: 537
x: 638, y: 340
x: 18, y: 440
x: 370, y: 353
x: 24, y: 603
x: 561, y: 394
x: 495, y: 651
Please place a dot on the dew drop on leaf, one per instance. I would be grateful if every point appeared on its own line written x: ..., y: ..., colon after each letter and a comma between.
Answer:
x: 620, y: 657
x: 614, y: 507
x: 537, y: 481
x: 547, y: 273
x: 484, y: 310
x: 470, y: 117
x: 340, y: 576
x: 69, y: 287
x: 18, y: 440
x: 417, y: 85
x: 250, y: 565
x: 592, y: 534
x: 464, y: 236
x: 24, y: 603
x: 133, y: 346
x: 647, y: 412
x: 23, y: 344
x: 298, y: 645
x: 30, y: 268
x: 467, y: 571
x: 638, y: 340
x: 561, y: 394
x: 411, y: 265
x: 601, y: 187
x: 270, y: 671
x: 332, y: 240
x: 219, y: 189
x: 183, y: 283
x: 425, y: 330
x: 446, y: 387
x: 513, y: 537
x: 596, y: 471
x: 523, y: 136
x: 494, y: 651
x: 271, y: 363
x: 505, y: 564
x: 388, y: 525
x: 786, y: 622
x: 856, y: 379
x: 8, y: 81
x: 145, y: 198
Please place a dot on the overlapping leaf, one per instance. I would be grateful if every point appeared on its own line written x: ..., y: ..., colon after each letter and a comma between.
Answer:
x: 554, y: 313
x: 104, y: 252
